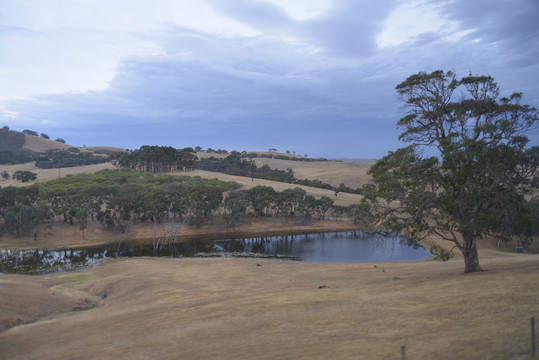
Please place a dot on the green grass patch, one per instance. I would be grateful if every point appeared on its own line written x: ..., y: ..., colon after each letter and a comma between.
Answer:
x: 76, y: 278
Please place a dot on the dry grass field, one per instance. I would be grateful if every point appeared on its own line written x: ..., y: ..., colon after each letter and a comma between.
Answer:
x: 267, y: 309
x: 352, y: 174
x: 236, y: 309
x: 49, y: 174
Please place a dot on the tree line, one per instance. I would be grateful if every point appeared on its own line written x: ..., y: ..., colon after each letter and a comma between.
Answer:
x: 157, y: 159
x: 69, y: 158
x: 236, y: 164
x: 116, y: 199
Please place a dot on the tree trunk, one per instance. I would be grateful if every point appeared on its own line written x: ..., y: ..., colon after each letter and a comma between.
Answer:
x: 471, y: 256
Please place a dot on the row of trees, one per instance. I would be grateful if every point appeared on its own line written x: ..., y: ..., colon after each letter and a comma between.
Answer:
x: 236, y: 164
x: 69, y: 158
x: 35, y: 133
x: 116, y: 199
x: 19, y: 175
x: 157, y: 159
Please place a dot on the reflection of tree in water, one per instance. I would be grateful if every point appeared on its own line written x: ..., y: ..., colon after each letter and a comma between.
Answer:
x: 46, y: 261
x: 332, y: 247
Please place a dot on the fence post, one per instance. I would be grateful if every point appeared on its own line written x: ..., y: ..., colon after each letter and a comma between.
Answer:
x: 533, y: 336
x: 403, y: 352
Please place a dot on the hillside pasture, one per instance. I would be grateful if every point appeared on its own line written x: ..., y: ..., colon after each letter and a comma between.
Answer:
x: 266, y: 309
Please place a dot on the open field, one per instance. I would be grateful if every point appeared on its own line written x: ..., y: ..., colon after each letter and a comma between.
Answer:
x: 235, y: 309
x: 352, y: 174
x: 49, y: 174
x: 266, y: 309
x: 41, y: 145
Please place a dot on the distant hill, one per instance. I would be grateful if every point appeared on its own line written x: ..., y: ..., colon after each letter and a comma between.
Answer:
x: 41, y: 145
x: 11, y: 140
x: 20, y: 143
x: 18, y: 148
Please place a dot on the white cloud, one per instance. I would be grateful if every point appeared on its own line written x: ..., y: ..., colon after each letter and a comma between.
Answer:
x: 58, y: 46
x: 219, y: 73
x: 411, y: 20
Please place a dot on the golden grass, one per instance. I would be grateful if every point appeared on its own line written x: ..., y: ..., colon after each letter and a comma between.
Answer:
x: 352, y: 174
x: 44, y: 175
x: 41, y: 145
x: 234, y: 309
x: 341, y: 199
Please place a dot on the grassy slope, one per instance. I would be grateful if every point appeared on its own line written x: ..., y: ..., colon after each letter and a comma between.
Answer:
x: 234, y: 309
x: 11, y: 140
x: 352, y: 174
x: 225, y: 308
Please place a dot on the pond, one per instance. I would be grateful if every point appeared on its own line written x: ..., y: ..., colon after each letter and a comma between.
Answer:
x: 342, y: 247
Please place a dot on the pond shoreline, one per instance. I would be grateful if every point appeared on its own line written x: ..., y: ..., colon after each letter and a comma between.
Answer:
x: 68, y: 237
x: 321, y: 247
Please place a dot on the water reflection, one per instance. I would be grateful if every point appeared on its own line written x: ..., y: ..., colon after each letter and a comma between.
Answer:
x: 349, y: 247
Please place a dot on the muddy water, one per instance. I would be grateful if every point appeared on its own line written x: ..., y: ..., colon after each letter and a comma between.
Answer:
x: 343, y: 247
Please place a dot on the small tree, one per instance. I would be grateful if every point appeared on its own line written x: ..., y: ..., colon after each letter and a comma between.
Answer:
x: 5, y: 175
x: 45, y: 136
x: 24, y: 176
x: 82, y: 220
x: 30, y: 132
x: 476, y: 184
x: 60, y: 140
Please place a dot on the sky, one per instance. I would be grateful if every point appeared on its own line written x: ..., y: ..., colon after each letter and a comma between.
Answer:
x: 315, y: 77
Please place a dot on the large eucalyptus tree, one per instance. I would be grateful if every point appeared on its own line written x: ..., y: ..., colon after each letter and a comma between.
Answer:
x: 467, y: 167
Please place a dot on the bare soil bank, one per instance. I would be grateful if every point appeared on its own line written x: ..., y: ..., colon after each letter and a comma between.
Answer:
x: 68, y: 236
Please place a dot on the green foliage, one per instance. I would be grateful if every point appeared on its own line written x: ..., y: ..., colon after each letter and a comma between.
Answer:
x: 60, y: 140
x: 68, y: 158
x: 115, y: 199
x: 158, y: 159
x: 24, y: 176
x: 30, y: 132
x: 11, y: 158
x: 21, y: 217
x: 476, y: 184
x: 236, y: 202
x: 233, y: 164
x: 45, y: 136
x: 440, y: 254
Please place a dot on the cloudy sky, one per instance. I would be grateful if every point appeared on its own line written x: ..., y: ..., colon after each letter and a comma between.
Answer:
x: 312, y: 76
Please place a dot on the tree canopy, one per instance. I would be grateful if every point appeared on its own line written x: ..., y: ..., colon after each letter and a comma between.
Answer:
x: 481, y: 168
x: 158, y: 159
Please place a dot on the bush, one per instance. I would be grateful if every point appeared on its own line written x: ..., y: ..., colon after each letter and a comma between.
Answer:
x: 24, y: 176
x: 30, y: 132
